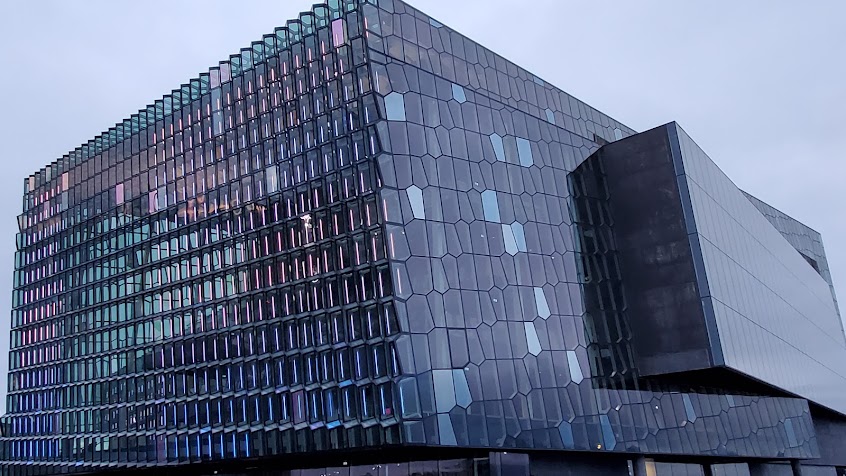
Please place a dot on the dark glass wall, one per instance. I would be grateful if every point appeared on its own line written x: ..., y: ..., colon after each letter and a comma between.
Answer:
x: 656, y: 260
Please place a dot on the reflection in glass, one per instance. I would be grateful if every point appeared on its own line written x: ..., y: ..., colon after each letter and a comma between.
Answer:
x: 490, y: 206
x: 524, y: 151
x: 446, y: 431
x: 541, y: 304
x: 458, y: 93
x: 444, y: 390
x: 415, y: 197
x: 395, y: 107
x: 607, y: 432
x: 688, y: 408
x: 339, y: 32
x: 575, y: 370
x: 519, y: 236
x: 409, y: 402
x: 462, y: 389
x: 499, y: 150
x: 510, y: 241
x: 566, y: 432
x: 791, y: 433
x: 532, y: 338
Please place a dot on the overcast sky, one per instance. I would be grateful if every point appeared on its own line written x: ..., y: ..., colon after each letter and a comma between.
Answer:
x: 760, y: 85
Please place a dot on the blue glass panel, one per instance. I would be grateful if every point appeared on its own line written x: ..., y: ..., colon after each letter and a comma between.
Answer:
x: 446, y: 431
x: 444, y: 390
x: 524, y: 151
x: 499, y: 150
x: 532, y: 338
x: 688, y: 408
x: 519, y: 235
x: 409, y: 402
x: 395, y: 107
x: 566, y: 432
x: 510, y: 241
x: 541, y: 304
x: 791, y: 433
x: 575, y: 370
x: 462, y: 389
x: 458, y: 93
x: 607, y: 432
x: 415, y: 197
x: 490, y: 206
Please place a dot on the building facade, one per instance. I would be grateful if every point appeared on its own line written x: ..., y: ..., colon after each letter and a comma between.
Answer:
x: 367, y: 232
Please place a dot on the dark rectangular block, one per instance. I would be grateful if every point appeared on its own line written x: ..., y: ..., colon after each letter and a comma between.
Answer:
x: 656, y: 261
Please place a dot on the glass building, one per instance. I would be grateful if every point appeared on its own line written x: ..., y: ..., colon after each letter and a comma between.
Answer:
x: 366, y: 232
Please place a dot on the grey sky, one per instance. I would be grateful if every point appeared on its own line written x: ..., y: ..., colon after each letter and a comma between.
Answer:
x: 758, y: 84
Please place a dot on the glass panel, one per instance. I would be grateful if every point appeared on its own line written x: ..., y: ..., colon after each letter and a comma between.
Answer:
x: 575, y: 370
x: 490, y: 205
x: 524, y: 151
x: 541, y: 304
x: 519, y: 235
x: 462, y: 388
x: 395, y: 107
x: 458, y: 93
x: 532, y: 338
x: 444, y: 390
x: 510, y: 240
x: 415, y: 197
x: 499, y: 150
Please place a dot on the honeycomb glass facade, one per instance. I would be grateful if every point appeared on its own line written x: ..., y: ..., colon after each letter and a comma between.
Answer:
x: 366, y: 231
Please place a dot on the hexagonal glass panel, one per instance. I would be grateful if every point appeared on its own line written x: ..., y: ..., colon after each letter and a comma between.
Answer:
x: 395, y: 107
x: 444, y: 390
x: 524, y: 151
x: 532, y: 338
x: 458, y: 93
x: 541, y: 304
x: 688, y: 408
x: 415, y: 197
x: 575, y: 370
x: 446, y: 431
x: 462, y: 388
x: 499, y: 149
x: 490, y: 205
x: 607, y: 432
x: 510, y: 241
x: 519, y: 236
